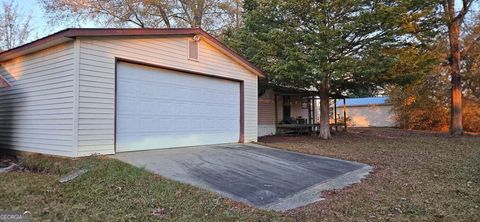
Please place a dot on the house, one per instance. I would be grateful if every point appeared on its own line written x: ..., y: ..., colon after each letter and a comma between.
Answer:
x: 367, y: 112
x: 80, y: 92
x: 282, y: 106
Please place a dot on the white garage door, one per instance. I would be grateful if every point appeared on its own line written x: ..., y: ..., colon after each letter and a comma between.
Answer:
x: 158, y: 108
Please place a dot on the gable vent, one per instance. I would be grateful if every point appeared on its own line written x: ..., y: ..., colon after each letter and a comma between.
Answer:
x: 193, y: 49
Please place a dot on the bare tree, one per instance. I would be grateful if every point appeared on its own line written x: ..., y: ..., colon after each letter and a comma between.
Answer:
x: 14, y: 26
x: 141, y: 13
x: 212, y: 15
x: 454, y: 21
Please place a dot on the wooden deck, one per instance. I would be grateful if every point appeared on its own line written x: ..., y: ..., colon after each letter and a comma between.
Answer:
x: 303, y: 128
x: 297, y: 128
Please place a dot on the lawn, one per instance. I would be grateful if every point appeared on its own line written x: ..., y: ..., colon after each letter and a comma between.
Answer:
x: 417, y: 176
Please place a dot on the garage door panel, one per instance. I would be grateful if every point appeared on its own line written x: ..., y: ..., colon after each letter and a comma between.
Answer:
x: 158, y: 108
x: 173, y: 139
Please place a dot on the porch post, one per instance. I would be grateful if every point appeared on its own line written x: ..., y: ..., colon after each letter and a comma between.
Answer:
x: 313, y: 104
x: 335, y: 113
x: 309, y: 106
x: 344, y: 114
x: 276, y: 111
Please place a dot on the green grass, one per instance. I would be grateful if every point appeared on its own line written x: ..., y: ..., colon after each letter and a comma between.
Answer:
x: 417, y: 177
x: 110, y: 191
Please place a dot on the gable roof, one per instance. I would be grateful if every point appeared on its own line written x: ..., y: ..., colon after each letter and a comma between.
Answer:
x: 69, y: 34
x: 364, y: 101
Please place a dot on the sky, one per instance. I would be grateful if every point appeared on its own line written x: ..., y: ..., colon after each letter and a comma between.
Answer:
x: 39, y: 22
x: 41, y: 27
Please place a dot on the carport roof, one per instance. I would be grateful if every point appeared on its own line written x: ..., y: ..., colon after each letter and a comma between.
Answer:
x: 69, y: 34
x: 364, y: 101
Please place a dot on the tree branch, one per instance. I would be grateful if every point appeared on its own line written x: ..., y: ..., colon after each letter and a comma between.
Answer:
x: 140, y: 23
x: 466, y: 4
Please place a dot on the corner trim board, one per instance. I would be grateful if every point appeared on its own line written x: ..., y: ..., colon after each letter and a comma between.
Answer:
x: 76, y: 93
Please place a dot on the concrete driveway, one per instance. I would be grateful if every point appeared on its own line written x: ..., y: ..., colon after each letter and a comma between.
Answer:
x: 260, y: 176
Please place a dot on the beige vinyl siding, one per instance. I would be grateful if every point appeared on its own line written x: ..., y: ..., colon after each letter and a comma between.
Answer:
x: 266, y: 108
x: 36, y: 113
x: 266, y: 114
x: 97, y: 81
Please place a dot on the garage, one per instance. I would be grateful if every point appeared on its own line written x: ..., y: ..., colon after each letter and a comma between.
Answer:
x: 160, y: 108
x: 82, y: 92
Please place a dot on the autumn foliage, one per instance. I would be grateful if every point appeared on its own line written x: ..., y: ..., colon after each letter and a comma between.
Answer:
x: 427, y: 113
x: 421, y: 98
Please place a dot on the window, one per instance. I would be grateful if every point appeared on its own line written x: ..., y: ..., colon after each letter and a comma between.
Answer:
x: 193, y: 50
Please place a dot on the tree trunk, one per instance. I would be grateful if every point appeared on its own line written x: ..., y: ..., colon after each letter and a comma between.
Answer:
x: 198, y: 10
x: 456, y: 127
x: 324, y: 111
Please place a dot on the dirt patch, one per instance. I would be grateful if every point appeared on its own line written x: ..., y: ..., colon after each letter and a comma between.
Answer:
x: 7, y: 159
x: 38, y: 163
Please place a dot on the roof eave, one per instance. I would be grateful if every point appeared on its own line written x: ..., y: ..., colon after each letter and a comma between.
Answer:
x: 69, y: 34
x: 34, y: 46
x: 4, y: 83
